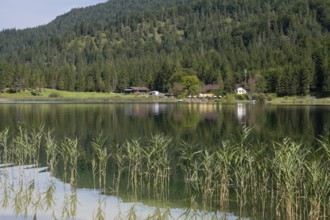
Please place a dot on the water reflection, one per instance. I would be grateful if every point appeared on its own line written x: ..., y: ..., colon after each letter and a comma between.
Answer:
x: 241, y: 111
x: 30, y: 192
x: 144, y: 110
x: 204, y: 123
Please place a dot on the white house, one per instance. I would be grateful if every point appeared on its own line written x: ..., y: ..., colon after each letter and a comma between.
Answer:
x: 240, y: 91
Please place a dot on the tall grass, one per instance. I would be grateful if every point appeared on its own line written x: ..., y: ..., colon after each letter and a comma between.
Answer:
x: 25, y: 147
x: 101, y: 159
x: 119, y: 160
x: 69, y: 154
x: 52, y: 151
x: 4, y: 136
x: 157, y: 159
x: 224, y: 156
x: 286, y: 179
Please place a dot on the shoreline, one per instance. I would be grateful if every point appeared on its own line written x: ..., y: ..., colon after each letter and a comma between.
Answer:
x: 50, y: 96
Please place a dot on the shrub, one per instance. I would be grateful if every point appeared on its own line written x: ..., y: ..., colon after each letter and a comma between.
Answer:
x: 54, y: 95
x: 262, y: 97
x: 36, y: 93
x: 241, y: 97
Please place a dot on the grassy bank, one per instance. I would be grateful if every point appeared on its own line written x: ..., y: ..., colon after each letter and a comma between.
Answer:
x: 299, y: 100
x: 57, y: 95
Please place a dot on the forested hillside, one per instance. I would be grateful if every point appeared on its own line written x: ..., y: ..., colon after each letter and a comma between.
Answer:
x: 283, y: 47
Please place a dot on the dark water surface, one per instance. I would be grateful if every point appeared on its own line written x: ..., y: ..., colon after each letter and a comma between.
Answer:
x: 204, y: 124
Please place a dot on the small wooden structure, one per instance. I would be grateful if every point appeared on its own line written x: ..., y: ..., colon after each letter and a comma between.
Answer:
x: 136, y: 90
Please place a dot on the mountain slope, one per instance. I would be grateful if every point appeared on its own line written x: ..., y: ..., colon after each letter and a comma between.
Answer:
x: 283, y: 46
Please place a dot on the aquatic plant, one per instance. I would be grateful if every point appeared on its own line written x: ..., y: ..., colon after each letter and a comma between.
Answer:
x: 100, y: 159
x: 159, y: 214
x: 49, y: 199
x: 288, y: 170
x: 119, y: 160
x: 52, y: 151
x: 224, y: 158
x: 188, y: 157
x: 69, y: 154
x: 70, y: 205
x: 7, y: 189
x: 131, y: 213
x: 286, y: 179
x: 158, y: 163
x: 207, y: 182
x: 4, y: 136
x: 100, y: 214
x: 133, y: 156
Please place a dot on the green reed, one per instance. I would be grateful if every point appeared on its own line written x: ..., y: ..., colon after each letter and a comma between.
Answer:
x: 285, y: 179
x: 4, y: 136
x: 52, y: 151
x: 224, y: 158
x: 101, y: 159
x: 19, y: 201
x: 131, y: 214
x: 69, y: 154
x: 7, y: 189
x: 119, y: 160
x: 70, y: 205
x: 281, y: 176
x: 160, y: 215
x: 262, y: 182
x: 133, y: 156
x: 157, y: 158
x: 288, y: 169
x: 49, y: 196
x: 188, y: 160
x: 207, y: 182
x: 25, y: 146
x: 100, y: 214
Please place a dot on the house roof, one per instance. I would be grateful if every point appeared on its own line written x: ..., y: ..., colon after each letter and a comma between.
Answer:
x: 209, y: 87
x: 138, y: 88
x: 239, y: 86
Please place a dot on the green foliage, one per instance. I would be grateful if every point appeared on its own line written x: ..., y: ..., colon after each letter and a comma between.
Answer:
x: 218, y: 92
x: 241, y: 97
x: 284, y: 46
x: 54, y: 95
x: 191, y: 84
x: 262, y: 97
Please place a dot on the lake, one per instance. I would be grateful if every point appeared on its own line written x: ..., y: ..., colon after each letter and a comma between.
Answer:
x: 178, y: 127
x: 201, y: 123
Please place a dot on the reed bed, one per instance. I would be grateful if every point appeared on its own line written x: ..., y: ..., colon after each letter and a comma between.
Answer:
x: 284, y: 179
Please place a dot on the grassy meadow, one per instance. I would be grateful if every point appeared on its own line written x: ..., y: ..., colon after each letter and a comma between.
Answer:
x: 57, y: 95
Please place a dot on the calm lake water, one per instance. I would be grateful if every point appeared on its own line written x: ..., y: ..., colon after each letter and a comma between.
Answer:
x: 204, y: 125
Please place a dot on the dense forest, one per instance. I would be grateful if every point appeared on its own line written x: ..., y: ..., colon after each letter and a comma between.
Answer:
x: 273, y: 46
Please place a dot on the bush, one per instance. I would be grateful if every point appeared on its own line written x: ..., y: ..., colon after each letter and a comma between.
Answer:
x: 54, y: 95
x: 230, y: 97
x: 262, y: 97
x: 36, y: 93
x: 241, y: 97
